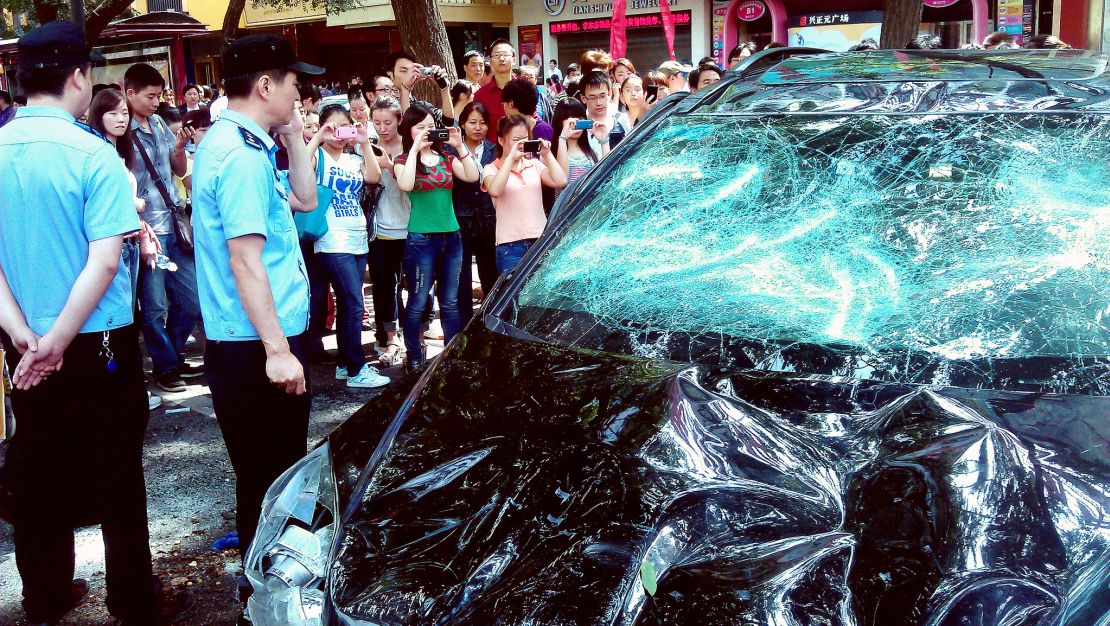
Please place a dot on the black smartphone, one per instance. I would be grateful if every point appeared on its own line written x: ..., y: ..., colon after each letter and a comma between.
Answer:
x: 377, y: 151
x: 652, y: 91
x: 439, y: 135
x: 532, y: 147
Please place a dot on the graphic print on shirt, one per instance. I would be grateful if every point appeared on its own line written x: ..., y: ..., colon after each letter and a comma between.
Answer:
x: 346, y: 185
x: 438, y: 177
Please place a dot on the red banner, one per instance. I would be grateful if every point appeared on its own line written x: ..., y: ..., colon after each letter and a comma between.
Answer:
x: 668, y: 25
x: 618, y: 42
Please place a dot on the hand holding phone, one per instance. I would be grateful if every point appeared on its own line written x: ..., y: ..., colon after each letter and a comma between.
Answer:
x: 532, y: 147
x: 346, y: 132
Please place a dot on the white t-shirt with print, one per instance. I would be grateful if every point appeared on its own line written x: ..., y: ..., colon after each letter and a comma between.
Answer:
x: 346, y: 223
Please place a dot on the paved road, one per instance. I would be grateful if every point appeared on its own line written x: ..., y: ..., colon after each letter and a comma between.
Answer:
x: 191, y: 502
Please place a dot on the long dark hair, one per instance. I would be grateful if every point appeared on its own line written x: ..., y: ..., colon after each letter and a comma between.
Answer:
x: 105, y: 101
x: 572, y: 107
x: 415, y: 114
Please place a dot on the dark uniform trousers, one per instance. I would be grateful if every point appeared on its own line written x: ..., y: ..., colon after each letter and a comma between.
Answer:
x: 77, y: 458
x: 264, y: 428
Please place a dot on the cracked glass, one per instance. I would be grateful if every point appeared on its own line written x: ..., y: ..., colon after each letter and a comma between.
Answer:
x: 956, y: 249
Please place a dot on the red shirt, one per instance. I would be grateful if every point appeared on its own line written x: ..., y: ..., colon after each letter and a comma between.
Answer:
x: 489, y: 95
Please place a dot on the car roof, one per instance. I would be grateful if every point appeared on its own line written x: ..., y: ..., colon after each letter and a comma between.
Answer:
x: 938, y: 65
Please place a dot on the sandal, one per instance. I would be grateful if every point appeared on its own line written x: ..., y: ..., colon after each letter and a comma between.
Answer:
x: 391, y: 356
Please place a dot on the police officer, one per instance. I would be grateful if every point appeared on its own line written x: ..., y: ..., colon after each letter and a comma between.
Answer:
x: 252, y: 278
x: 73, y: 348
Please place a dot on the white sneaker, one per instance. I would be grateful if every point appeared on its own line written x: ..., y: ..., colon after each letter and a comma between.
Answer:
x: 368, y: 378
x: 341, y: 372
x: 153, y: 402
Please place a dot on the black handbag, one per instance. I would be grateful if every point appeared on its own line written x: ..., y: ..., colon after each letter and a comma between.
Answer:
x: 182, y: 223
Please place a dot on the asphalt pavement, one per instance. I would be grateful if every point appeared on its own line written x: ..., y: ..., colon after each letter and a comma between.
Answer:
x: 190, y: 495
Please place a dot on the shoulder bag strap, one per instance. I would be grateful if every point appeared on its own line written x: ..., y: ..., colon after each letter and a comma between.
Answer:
x: 154, y: 175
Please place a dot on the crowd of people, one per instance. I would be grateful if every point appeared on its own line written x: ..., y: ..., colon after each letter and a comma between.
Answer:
x: 249, y: 215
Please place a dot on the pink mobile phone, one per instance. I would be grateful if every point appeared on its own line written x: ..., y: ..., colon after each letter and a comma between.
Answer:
x: 346, y: 132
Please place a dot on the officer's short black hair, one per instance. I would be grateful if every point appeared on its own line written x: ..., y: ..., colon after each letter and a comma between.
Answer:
x: 189, y: 86
x: 46, y: 81
x: 140, y: 76
x: 240, y: 86
x: 522, y: 94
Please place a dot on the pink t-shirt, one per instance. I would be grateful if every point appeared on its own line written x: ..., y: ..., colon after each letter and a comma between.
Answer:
x: 520, y: 206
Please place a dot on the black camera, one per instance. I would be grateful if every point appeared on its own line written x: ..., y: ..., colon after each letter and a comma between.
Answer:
x: 439, y: 135
x: 442, y: 82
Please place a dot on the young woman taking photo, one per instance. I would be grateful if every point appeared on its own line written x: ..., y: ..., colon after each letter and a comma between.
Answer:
x: 426, y: 170
x: 391, y: 231
x: 342, y: 250
x: 515, y: 181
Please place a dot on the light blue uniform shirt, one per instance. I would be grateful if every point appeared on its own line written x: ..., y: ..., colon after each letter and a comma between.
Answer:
x: 61, y: 186
x: 238, y: 191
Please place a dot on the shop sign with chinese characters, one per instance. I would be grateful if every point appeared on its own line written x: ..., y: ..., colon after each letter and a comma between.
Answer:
x: 653, y: 20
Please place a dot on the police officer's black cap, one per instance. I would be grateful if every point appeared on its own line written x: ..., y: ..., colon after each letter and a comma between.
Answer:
x: 258, y: 53
x: 55, y: 44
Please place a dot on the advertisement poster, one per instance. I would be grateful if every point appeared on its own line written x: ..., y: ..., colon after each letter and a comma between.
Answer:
x: 530, y: 40
x: 1011, y: 17
x: 720, y: 8
x: 835, y: 31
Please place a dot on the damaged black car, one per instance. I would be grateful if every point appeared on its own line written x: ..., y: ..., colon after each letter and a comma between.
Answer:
x: 827, y: 343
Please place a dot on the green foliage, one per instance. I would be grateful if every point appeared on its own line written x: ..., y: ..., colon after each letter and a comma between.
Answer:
x: 332, y: 6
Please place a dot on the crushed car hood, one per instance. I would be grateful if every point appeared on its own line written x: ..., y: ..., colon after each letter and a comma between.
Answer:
x: 531, y: 484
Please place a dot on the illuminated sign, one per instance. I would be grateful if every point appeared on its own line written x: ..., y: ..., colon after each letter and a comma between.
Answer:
x: 751, y: 10
x: 837, y: 19
x: 603, y: 24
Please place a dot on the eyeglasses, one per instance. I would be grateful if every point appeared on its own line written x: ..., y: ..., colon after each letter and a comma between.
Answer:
x: 601, y: 97
x: 392, y: 90
x: 501, y: 55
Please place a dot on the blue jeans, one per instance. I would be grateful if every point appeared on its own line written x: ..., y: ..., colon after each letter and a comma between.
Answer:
x: 431, y: 257
x: 170, y: 307
x: 345, y: 272
x: 510, y: 254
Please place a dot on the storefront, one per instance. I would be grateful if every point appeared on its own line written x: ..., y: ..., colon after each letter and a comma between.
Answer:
x: 564, y: 29
x: 357, y: 41
x: 836, y: 26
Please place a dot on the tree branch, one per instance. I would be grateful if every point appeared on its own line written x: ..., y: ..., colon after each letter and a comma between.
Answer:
x: 231, y: 20
x: 103, y: 15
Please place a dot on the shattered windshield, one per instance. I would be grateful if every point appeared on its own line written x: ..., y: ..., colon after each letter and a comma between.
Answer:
x: 971, y: 250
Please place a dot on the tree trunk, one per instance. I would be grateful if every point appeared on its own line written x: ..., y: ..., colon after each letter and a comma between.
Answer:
x: 424, y: 35
x: 231, y: 20
x: 901, y: 21
x: 103, y: 15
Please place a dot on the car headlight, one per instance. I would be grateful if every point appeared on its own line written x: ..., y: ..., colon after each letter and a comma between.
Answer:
x: 287, y: 561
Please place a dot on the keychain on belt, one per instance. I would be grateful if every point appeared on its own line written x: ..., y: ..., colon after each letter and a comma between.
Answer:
x: 106, y: 352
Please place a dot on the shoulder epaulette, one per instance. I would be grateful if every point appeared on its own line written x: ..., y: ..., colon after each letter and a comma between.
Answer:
x: 251, y: 140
